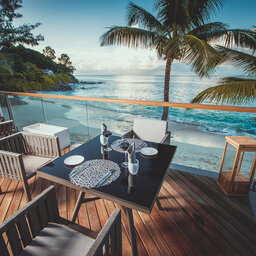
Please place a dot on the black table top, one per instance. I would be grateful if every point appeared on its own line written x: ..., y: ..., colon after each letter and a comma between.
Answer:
x: 137, y: 192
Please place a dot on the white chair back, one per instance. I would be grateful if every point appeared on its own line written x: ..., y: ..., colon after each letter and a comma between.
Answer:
x: 150, y: 129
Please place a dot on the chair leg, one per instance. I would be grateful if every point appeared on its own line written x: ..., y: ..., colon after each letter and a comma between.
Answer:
x: 159, y: 204
x: 26, y: 190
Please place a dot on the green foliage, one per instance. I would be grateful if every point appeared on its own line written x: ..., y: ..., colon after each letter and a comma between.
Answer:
x: 11, y: 34
x: 34, y: 57
x: 46, y: 81
x: 13, y: 82
x: 17, y: 60
x: 4, y: 69
x: 65, y: 65
x: 61, y: 78
x: 233, y: 90
x: 34, y: 86
x: 49, y: 52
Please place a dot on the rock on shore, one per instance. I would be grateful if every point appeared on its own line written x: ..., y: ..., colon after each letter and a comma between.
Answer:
x: 60, y: 87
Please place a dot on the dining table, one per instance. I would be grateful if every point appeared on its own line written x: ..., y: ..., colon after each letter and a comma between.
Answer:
x: 132, y: 192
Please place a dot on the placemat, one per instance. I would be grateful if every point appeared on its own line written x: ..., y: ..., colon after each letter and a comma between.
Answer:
x: 92, y: 171
x: 139, y: 144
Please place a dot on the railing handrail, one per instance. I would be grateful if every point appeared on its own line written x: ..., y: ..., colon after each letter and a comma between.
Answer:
x: 138, y: 102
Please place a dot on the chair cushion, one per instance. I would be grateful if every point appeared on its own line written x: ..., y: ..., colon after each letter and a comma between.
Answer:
x: 32, y: 163
x: 58, y: 240
x: 150, y: 129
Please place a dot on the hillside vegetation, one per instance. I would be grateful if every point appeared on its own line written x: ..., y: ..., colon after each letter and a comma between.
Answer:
x: 21, y: 69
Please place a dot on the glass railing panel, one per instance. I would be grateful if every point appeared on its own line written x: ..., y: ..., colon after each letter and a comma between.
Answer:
x: 68, y: 113
x: 26, y: 110
x: 200, y: 135
x: 118, y: 117
x: 3, y: 108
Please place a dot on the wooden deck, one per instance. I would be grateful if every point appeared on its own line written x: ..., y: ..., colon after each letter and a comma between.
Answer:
x: 197, y: 218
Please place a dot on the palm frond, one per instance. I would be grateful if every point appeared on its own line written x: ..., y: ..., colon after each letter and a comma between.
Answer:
x: 230, y: 90
x: 200, y: 55
x: 231, y: 37
x: 138, y: 15
x: 128, y: 36
x: 201, y: 11
x: 239, y: 59
x: 213, y: 26
x: 186, y: 13
x: 173, y: 14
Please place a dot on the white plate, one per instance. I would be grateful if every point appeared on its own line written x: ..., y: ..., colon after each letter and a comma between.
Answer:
x: 74, y: 160
x: 147, y: 151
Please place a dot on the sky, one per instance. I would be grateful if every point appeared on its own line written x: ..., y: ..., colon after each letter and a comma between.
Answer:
x: 74, y: 27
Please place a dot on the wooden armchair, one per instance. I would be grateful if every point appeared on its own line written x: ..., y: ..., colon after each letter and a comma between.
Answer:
x: 21, y: 154
x: 38, y: 230
x: 6, y: 128
x: 151, y: 130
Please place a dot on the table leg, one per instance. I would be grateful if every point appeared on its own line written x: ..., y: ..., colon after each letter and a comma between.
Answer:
x: 129, y: 216
x: 79, y: 201
x: 77, y: 206
x: 159, y: 204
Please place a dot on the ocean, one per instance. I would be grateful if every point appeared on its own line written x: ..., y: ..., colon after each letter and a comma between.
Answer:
x: 182, y: 89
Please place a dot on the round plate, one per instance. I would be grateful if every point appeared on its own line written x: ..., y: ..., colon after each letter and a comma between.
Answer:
x: 147, y: 151
x: 74, y: 160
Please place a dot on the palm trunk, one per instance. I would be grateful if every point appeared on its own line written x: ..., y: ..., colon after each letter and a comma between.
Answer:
x: 166, y: 87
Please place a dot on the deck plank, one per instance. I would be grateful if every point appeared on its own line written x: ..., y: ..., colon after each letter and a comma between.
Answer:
x: 221, y: 226
x: 215, y: 225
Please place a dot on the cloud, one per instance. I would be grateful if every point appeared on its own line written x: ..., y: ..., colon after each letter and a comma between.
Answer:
x: 115, y: 60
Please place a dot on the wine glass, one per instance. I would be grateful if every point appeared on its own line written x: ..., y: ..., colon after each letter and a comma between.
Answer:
x: 125, y: 145
x: 107, y: 134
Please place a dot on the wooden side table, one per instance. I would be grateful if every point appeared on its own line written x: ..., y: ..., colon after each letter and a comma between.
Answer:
x: 237, y: 172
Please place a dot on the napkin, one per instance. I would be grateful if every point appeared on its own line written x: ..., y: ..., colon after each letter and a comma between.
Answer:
x: 131, y: 154
x: 103, y: 128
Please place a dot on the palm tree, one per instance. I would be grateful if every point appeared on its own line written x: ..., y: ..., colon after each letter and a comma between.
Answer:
x: 178, y: 32
x: 233, y: 90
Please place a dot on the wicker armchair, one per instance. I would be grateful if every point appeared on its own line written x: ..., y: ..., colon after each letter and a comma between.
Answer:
x: 6, y: 128
x: 38, y: 230
x: 21, y: 154
x: 151, y: 130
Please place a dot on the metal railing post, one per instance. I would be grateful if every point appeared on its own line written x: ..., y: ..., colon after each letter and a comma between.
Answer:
x: 44, y: 113
x: 9, y: 109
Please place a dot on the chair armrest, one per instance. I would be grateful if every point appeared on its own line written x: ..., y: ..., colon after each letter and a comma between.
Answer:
x: 12, y: 166
x: 77, y: 227
x: 109, y: 238
x: 42, y: 145
x: 34, y: 216
x: 166, y: 139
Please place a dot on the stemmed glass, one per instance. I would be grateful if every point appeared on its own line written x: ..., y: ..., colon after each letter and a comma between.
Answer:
x: 107, y: 134
x: 125, y: 145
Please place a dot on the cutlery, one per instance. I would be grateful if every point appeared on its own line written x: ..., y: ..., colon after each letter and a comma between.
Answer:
x: 78, y: 171
x: 105, y: 177
x: 117, y: 143
x: 139, y: 147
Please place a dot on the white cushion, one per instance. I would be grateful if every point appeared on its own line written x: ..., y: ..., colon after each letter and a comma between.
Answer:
x: 32, y: 163
x: 58, y: 240
x: 150, y: 129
